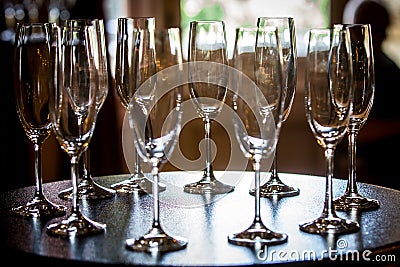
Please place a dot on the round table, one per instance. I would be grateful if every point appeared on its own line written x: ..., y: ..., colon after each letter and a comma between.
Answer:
x: 205, y: 221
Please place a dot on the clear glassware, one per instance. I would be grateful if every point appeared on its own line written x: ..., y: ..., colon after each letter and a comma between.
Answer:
x: 207, y: 42
x: 74, y: 112
x: 87, y: 187
x: 155, y: 118
x: 328, y: 104
x: 168, y: 47
x: 364, y: 87
x: 33, y: 83
x: 135, y: 49
x: 287, y: 37
x: 259, y: 111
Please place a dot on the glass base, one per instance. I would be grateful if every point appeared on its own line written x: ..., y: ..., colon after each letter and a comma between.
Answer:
x: 75, y: 225
x: 88, y: 189
x: 137, y: 183
x: 351, y: 201
x: 330, y: 225
x: 156, y: 240
x: 39, y: 206
x: 276, y: 188
x: 205, y: 186
x: 257, y: 233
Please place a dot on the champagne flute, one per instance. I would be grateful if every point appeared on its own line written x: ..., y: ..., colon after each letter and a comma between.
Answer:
x: 135, y: 63
x: 168, y: 48
x: 286, y: 29
x: 74, y: 113
x: 207, y: 42
x: 328, y: 103
x: 155, y: 119
x: 34, y: 57
x: 88, y: 188
x: 259, y: 112
x: 244, y: 50
x: 364, y: 87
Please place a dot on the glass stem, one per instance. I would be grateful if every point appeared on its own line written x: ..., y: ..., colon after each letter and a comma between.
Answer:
x: 274, y: 172
x: 38, y: 170
x: 328, y: 205
x: 208, y: 172
x: 256, y: 167
x: 351, y: 184
x: 74, y: 179
x: 156, y: 208
x: 137, y: 164
x: 86, y: 164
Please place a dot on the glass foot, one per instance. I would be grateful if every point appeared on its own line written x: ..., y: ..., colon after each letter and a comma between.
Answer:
x: 156, y: 240
x: 136, y: 184
x: 88, y: 189
x: 205, y: 186
x: 275, y: 187
x: 75, y: 225
x: 257, y: 233
x: 40, y: 207
x: 350, y: 201
x: 330, y: 225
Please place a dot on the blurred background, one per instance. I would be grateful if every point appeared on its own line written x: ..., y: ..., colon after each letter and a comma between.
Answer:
x: 298, y: 149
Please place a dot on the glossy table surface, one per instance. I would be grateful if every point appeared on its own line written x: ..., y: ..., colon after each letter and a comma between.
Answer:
x: 205, y: 221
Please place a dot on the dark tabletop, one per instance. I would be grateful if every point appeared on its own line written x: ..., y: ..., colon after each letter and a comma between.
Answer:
x: 205, y: 221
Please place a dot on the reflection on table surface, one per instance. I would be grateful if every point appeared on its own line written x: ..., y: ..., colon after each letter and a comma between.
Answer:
x: 205, y: 221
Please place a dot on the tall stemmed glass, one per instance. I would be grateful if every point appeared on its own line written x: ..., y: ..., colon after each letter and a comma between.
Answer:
x: 155, y: 119
x: 286, y: 29
x: 328, y: 103
x: 258, y: 119
x: 135, y: 63
x: 364, y: 87
x: 74, y: 113
x: 244, y: 51
x: 207, y: 42
x: 168, y: 48
x: 88, y: 188
x: 33, y: 84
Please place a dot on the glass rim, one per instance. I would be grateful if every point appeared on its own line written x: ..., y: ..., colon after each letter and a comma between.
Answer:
x: 136, y: 18
x: 207, y: 21
x: 35, y: 24
x: 276, y: 18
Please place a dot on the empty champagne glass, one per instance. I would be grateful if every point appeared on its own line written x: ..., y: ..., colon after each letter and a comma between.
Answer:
x: 135, y: 63
x: 364, y: 87
x: 34, y: 58
x: 287, y: 36
x: 259, y: 111
x: 244, y: 51
x: 168, y: 48
x: 74, y: 113
x: 207, y: 42
x: 155, y: 119
x: 88, y: 188
x: 328, y: 103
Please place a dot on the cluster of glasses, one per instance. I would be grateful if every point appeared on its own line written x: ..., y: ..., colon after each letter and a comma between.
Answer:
x: 339, y: 92
x: 62, y: 82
